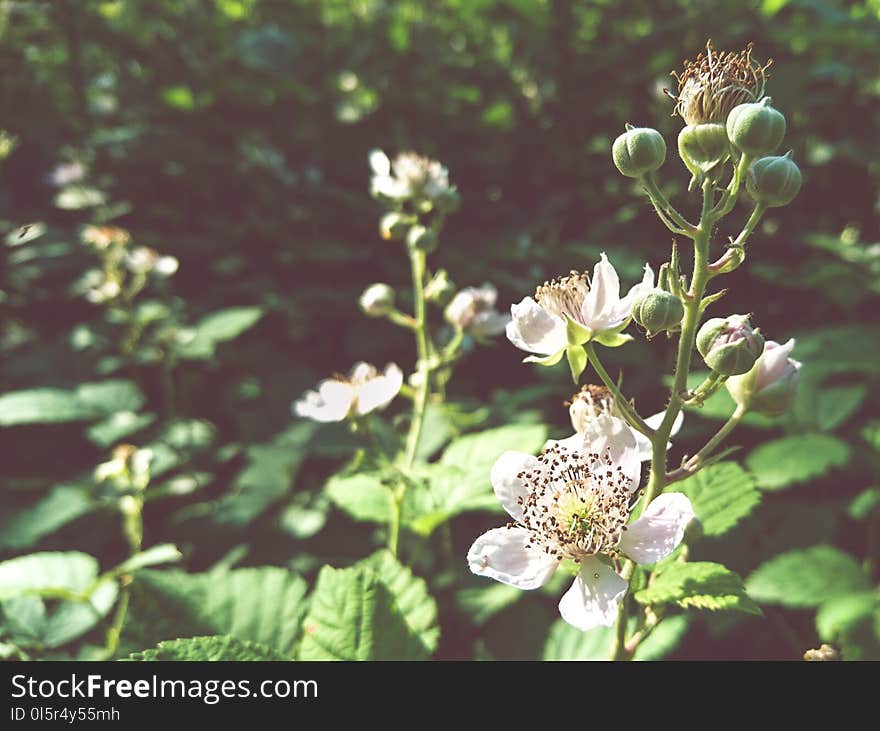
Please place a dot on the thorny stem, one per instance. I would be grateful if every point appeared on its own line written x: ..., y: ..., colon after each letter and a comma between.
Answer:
x: 422, y: 389
x: 626, y: 409
x: 660, y: 438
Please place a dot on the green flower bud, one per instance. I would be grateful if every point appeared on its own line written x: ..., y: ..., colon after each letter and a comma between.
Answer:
x: 377, y: 300
x: 774, y: 181
x: 638, y: 151
x: 657, y: 311
x: 394, y: 225
x: 703, y: 147
x: 421, y: 238
x: 440, y: 289
x: 729, y: 345
x: 756, y: 129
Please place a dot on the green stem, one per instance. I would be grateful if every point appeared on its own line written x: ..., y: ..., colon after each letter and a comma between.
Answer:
x: 728, y: 199
x: 706, y: 389
x: 628, y: 412
x: 133, y: 527
x: 694, y: 463
x: 671, y: 218
x: 660, y: 438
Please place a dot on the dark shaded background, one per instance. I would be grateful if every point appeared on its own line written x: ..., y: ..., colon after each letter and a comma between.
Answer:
x: 238, y: 130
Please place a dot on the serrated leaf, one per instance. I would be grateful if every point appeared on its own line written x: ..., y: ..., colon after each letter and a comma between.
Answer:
x: 213, y: 648
x: 63, y: 505
x: 806, y: 578
x: 700, y: 585
x: 839, y: 614
x: 353, y: 616
x: 264, y: 604
x: 411, y: 594
x: 362, y: 496
x: 58, y: 405
x: 722, y: 495
x: 797, y: 458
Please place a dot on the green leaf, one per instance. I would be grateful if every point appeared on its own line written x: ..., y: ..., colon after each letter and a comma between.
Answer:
x: 833, y: 405
x: 162, y: 553
x: 565, y: 642
x: 216, y: 328
x: 411, y: 594
x: 118, y: 426
x: 213, y: 648
x: 664, y: 638
x: 481, y: 603
x: 72, y: 619
x: 49, y: 574
x: 354, y: 616
x: 63, y: 505
x: 576, y: 333
x: 806, y: 578
x: 436, y: 431
x: 701, y: 585
x: 363, y: 496
x: 545, y: 360
x: 836, y: 616
x: 476, y: 453
x: 577, y: 360
x: 57, y: 405
x: 264, y: 604
x: 865, y: 504
x: 722, y: 495
x: 797, y: 458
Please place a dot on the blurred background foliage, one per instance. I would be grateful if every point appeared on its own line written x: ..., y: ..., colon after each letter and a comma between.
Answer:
x: 234, y: 135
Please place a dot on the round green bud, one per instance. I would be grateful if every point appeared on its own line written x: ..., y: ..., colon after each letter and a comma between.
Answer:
x: 638, y: 151
x: 756, y: 129
x: 657, y: 311
x: 422, y: 238
x: 394, y: 225
x: 729, y: 345
x: 377, y: 300
x: 703, y: 147
x: 774, y: 181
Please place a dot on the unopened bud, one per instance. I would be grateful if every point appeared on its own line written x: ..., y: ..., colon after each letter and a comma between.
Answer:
x: 703, y: 147
x: 638, y: 151
x: 774, y: 181
x: 658, y: 311
x: 394, y: 225
x: 770, y: 387
x: 729, y: 345
x: 377, y: 300
x: 421, y: 238
x: 756, y: 129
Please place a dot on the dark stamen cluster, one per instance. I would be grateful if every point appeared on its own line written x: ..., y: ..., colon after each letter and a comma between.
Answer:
x: 577, y: 505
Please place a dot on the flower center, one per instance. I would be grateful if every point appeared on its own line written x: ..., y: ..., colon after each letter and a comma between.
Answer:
x: 565, y: 295
x: 714, y: 83
x: 577, y: 505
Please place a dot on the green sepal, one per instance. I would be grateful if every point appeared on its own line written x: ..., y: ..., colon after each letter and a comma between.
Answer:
x: 546, y: 360
x: 577, y: 334
x: 612, y: 338
x: 577, y: 360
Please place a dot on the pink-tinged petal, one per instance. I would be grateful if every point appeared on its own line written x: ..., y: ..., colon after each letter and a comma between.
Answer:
x: 622, y: 310
x: 658, y: 532
x: 503, y: 554
x: 654, y: 421
x: 380, y: 391
x: 611, y: 437
x: 593, y: 598
x: 506, y: 482
x: 603, y: 295
x: 773, y: 362
x: 534, y: 329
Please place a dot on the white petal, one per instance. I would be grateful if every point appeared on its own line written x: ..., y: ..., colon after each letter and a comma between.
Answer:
x: 622, y: 310
x: 644, y: 444
x: 603, y: 295
x: 594, y: 596
x: 659, y: 531
x: 608, y: 435
x: 534, y: 329
x: 506, y: 482
x: 379, y: 163
x: 380, y: 391
x: 331, y: 402
x: 574, y: 443
x: 773, y: 363
x: 502, y: 554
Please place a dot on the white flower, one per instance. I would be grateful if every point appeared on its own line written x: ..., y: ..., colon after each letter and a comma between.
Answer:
x: 769, y: 388
x: 473, y: 310
x: 575, y: 505
x: 409, y: 176
x: 591, y: 402
x: 539, y: 324
x: 144, y: 260
x: 362, y: 391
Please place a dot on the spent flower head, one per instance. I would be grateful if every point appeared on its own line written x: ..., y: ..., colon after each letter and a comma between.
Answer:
x: 714, y: 83
x: 408, y: 177
x: 472, y: 309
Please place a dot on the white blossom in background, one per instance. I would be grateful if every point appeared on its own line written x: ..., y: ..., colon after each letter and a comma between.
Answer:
x: 363, y: 390
x: 103, y: 237
x: 591, y: 402
x: 67, y: 173
x: 408, y: 176
x: 144, y: 260
x: 539, y: 323
x: 574, y: 505
x: 472, y: 309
